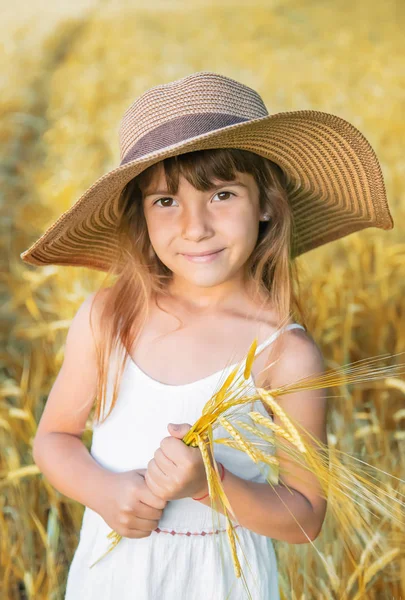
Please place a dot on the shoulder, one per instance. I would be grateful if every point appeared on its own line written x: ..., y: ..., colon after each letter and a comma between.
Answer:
x: 94, y: 301
x: 97, y: 299
x: 71, y: 397
x: 299, y: 356
x: 87, y: 319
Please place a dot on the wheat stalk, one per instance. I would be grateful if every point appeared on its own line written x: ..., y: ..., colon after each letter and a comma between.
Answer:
x: 338, y: 481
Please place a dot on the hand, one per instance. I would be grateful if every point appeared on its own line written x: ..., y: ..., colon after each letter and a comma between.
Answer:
x: 129, y: 507
x: 177, y: 470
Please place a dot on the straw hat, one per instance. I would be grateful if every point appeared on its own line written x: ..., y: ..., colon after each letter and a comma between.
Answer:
x: 334, y: 181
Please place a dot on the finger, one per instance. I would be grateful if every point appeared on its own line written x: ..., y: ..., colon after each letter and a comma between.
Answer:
x: 143, y: 525
x: 163, y: 462
x: 156, y: 473
x: 152, y: 498
x: 153, y: 486
x: 146, y: 511
x: 174, y: 449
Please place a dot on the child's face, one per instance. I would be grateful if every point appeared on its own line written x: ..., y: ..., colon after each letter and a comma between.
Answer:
x: 225, y: 219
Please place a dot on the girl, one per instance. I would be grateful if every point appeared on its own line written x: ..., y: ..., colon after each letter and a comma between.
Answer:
x: 200, y: 226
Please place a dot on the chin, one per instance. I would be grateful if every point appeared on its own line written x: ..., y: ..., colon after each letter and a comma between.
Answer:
x: 206, y: 280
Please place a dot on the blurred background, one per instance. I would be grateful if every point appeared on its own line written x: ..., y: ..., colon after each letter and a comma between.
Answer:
x: 69, y: 71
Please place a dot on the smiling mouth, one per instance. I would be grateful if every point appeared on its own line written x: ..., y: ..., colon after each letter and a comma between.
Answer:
x: 203, y: 257
x: 208, y: 253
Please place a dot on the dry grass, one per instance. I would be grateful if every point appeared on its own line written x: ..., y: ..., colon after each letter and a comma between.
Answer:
x: 60, y: 106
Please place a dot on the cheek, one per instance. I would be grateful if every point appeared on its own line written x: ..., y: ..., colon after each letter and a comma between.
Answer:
x: 243, y: 228
x: 158, y: 233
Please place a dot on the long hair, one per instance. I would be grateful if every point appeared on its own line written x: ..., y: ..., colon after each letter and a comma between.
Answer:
x: 141, y: 276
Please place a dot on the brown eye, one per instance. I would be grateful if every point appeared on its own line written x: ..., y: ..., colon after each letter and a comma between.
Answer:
x: 225, y: 192
x: 164, y: 200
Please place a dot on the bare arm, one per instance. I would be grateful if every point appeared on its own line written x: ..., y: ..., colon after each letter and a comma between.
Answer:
x: 258, y: 506
x: 123, y: 500
x: 70, y: 468
x: 58, y: 449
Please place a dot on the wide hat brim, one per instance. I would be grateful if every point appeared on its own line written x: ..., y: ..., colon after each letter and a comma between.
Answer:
x: 334, y: 182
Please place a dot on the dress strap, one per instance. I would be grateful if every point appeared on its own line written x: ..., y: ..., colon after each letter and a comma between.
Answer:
x: 269, y: 340
x: 275, y: 336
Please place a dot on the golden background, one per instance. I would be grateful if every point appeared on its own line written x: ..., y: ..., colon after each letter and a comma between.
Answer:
x: 69, y: 71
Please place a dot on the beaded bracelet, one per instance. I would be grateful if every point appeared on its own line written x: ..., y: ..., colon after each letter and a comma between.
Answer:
x: 222, y: 478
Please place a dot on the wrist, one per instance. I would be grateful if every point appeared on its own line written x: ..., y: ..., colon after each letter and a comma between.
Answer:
x: 204, y: 493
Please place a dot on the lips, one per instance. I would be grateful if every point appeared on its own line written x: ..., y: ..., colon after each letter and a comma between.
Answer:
x: 203, y: 257
x: 201, y: 253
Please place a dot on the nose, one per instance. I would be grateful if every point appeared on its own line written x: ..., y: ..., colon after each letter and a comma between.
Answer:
x: 196, y: 222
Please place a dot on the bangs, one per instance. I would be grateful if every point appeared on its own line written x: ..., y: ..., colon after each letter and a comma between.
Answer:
x: 205, y: 168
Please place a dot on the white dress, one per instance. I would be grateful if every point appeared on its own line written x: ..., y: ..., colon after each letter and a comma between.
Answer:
x: 189, y: 556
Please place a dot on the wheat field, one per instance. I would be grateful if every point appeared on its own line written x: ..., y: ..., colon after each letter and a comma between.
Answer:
x: 67, y: 77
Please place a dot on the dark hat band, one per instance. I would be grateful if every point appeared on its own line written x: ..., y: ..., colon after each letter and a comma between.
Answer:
x: 177, y: 130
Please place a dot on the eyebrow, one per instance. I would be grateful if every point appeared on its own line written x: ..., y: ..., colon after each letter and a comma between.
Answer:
x: 233, y: 183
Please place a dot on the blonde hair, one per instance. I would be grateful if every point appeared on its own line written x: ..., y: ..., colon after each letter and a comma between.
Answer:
x: 141, y: 275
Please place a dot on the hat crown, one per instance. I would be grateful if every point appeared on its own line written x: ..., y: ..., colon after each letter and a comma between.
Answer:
x: 169, y: 113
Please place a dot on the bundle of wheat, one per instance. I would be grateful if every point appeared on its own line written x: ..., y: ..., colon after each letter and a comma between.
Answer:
x: 342, y: 480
